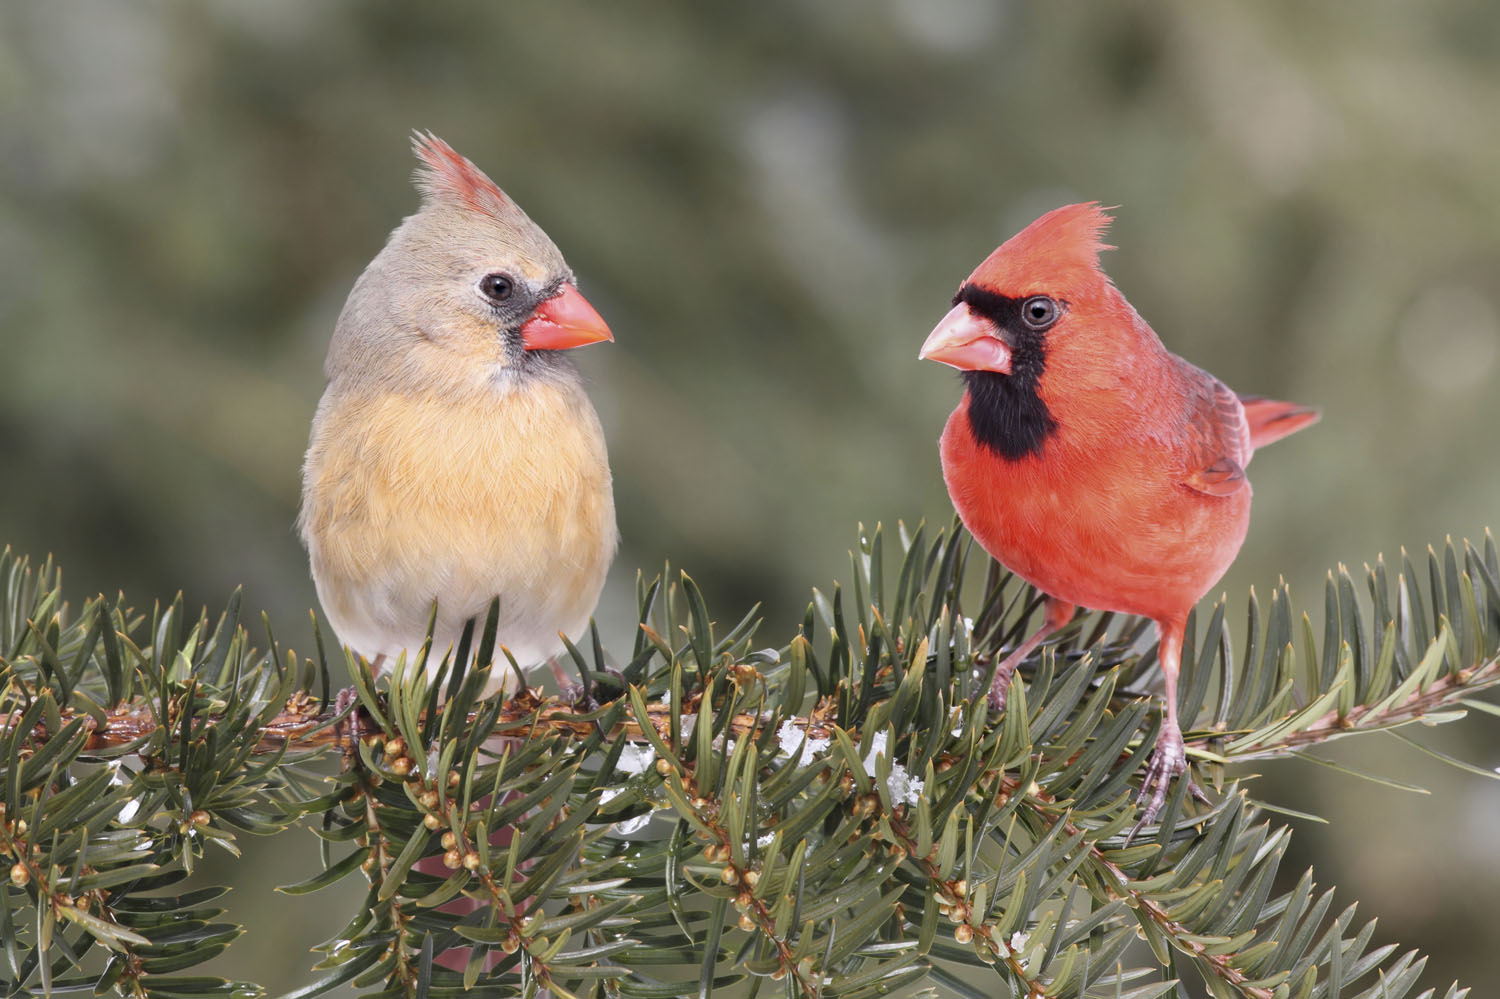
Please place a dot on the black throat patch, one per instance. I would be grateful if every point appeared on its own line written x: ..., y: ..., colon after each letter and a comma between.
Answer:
x: 1007, y: 415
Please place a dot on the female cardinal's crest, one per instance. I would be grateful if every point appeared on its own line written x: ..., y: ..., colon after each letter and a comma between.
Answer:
x: 1058, y: 251
x: 446, y: 174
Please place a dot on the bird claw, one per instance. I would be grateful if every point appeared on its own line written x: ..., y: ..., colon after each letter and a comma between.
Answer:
x: 342, y: 701
x: 998, y: 690
x: 618, y: 679
x: 1001, y: 684
x: 1168, y: 761
x: 582, y: 698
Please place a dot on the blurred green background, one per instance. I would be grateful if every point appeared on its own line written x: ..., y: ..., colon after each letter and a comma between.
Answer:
x: 771, y: 203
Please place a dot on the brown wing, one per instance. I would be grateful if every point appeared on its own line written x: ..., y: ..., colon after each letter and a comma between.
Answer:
x: 1217, y: 435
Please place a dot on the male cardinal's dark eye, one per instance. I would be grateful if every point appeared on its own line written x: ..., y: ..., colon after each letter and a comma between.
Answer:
x: 1039, y: 312
x: 496, y: 287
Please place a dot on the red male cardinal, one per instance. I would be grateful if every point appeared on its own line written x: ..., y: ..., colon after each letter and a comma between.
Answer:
x: 454, y: 456
x: 1089, y: 460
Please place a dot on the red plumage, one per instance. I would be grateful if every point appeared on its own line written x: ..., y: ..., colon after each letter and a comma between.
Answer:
x: 1089, y: 460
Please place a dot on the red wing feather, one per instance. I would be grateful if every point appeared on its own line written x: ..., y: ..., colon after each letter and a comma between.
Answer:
x: 1218, y: 437
x: 1223, y: 478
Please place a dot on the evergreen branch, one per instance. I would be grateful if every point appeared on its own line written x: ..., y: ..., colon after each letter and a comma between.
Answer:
x: 1116, y: 884
x: 835, y: 799
x: 1442, y: 694
x: 303, y: 726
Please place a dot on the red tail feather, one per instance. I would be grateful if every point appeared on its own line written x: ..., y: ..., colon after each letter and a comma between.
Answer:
x: 1270, y: 420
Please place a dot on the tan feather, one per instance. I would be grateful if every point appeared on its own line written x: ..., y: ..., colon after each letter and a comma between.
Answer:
x: 459, y: 502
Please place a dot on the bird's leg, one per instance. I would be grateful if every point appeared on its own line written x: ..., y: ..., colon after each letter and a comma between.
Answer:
x: 1169, y: 758
x: 1057, y: 613
x: 346, y: 698
x: 571, y: 692
x: 565, y: 683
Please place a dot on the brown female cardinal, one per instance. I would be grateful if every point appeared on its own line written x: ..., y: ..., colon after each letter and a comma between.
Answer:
x: 455, y: 457
x: 1099, y: 467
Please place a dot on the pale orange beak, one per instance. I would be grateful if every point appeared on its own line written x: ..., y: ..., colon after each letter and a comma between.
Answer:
x: 565, y: 320
x: 967, y: 342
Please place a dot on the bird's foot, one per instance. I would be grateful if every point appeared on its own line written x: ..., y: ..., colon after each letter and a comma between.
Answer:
x: 998, y: 689
x: 1000, y: 686
x: 1168, y: 761
x: 350, y: 728
x: 616, y: 680
x: 581, y: 698
x: 1059, y: 614
x: 569, y: 691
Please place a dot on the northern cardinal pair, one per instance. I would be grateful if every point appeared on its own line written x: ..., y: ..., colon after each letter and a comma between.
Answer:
x: 455, y: 457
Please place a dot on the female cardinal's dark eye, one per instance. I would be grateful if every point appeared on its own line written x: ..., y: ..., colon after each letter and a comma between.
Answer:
x: 1039, y: 312
x: 496, y: 287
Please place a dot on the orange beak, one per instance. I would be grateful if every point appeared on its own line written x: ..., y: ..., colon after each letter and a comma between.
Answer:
x: 565, y: 320
x: 967, y: 342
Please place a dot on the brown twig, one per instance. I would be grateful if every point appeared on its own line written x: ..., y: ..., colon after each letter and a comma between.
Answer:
x: 300, y: 725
